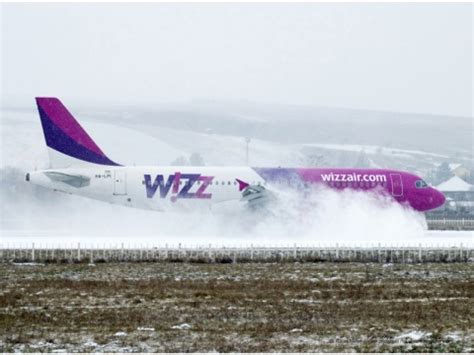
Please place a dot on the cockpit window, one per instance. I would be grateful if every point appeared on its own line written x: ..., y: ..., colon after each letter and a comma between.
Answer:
x: 421, y: 184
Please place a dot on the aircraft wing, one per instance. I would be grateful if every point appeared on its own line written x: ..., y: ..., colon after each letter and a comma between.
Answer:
x: 257, y: 196
x: 75, y: 180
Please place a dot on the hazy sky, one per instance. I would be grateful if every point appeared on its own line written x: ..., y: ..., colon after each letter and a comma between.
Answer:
x: 396, y: 57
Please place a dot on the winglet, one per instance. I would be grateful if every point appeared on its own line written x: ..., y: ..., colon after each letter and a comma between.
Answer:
x: 242, y: 184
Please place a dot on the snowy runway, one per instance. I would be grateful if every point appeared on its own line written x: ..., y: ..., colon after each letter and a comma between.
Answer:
x: 62, y: 239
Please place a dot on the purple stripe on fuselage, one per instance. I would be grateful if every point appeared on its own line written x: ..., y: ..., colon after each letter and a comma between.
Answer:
x: 400, y: 185
x: 59, y: 115
x: 335, y: 178
x: 323, y: 174
x: 58, y: 140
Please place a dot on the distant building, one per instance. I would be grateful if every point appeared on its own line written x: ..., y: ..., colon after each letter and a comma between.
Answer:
x: 460, y: 171
x: 455, y: 184
x: 459, y: 196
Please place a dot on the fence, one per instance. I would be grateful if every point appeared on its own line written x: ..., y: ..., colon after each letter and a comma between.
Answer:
x: 381, y: 254
x: 450, y: 224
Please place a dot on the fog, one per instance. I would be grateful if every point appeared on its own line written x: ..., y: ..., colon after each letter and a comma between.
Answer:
x: 394, y: 57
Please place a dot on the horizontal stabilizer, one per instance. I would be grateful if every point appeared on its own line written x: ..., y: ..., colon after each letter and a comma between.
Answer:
x: 73, y: 180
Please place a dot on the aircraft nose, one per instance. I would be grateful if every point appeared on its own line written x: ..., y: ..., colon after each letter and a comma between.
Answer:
x: 437, y: 198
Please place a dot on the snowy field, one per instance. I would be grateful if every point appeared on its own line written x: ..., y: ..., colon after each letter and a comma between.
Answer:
x: 326, y: 218
x: 255, y: 307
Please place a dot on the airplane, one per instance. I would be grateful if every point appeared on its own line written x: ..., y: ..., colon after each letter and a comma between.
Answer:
x: 78, y: 166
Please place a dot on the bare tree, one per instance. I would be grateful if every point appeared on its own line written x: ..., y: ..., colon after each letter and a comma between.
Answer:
x: 195, y: 159
x: 180, y: 161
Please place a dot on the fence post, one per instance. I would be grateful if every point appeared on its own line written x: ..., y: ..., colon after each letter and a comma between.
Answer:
x: 33, y: 252
x: 251, y: 251
x: 337, y: 251
x: 294, y: 251
x: 378, y: 253
x: 78, y: 251
x: 460, y: 253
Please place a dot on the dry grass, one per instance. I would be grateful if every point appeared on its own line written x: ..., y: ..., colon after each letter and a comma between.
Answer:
x: 237, y: 307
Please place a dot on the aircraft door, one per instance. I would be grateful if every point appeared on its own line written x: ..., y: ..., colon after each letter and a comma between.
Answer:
x: 397, y: 184
x: 120, y: 182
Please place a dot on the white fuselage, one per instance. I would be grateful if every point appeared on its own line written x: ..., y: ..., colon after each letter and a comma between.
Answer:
x: 154, y: 188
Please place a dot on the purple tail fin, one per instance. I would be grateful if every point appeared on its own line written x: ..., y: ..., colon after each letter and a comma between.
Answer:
x: 65, y: 135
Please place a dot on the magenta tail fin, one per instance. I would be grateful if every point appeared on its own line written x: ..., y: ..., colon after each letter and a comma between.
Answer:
x: 65, y: 135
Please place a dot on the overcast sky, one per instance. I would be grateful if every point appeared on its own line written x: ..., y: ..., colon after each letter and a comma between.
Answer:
x: 395, y: 57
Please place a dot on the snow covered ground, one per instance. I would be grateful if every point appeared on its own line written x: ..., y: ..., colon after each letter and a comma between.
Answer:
x: 325, y: 219
x: 265, y: 307
x: 371, y: 149
x: 64, y: 239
